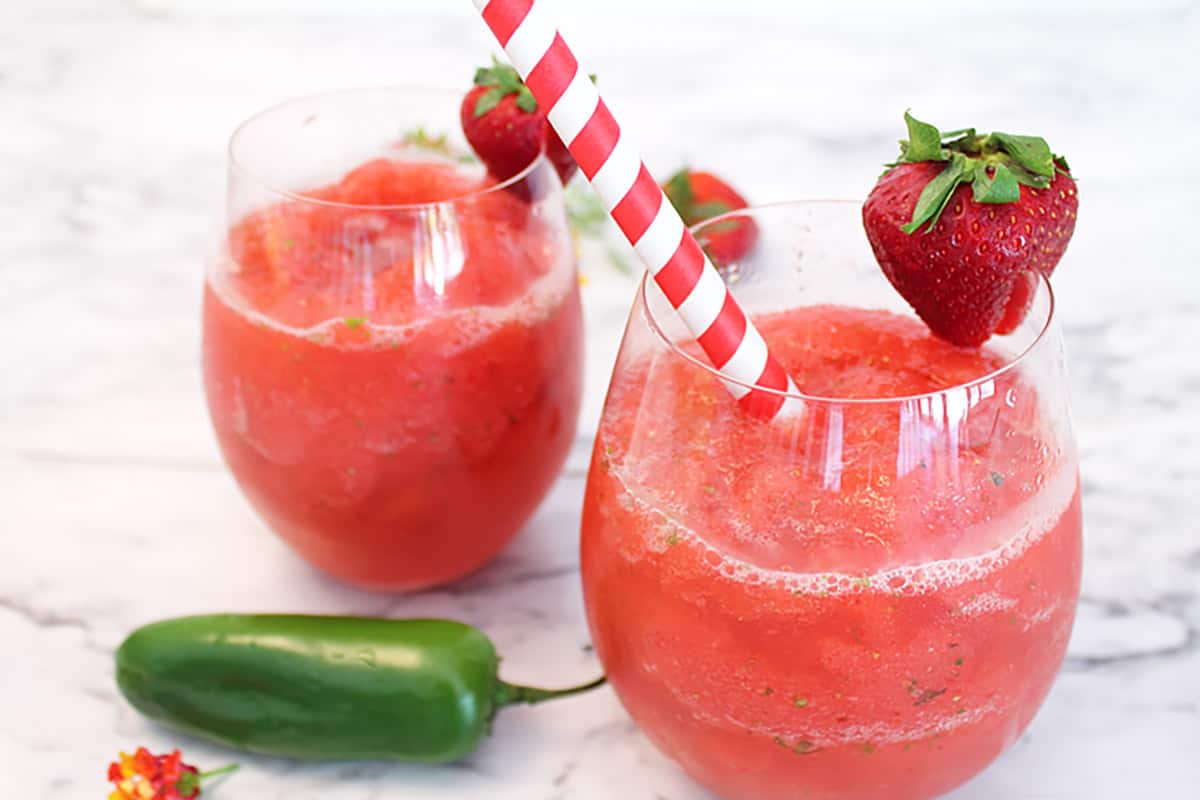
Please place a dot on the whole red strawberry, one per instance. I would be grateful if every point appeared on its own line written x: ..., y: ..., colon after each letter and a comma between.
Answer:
x: 502, y: 122
x: 963, y: 220
x: 698, y: 196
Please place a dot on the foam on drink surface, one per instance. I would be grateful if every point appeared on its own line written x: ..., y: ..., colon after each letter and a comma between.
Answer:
x: 460, y: 328
x: 1018, y: 530
x: 398, y: 246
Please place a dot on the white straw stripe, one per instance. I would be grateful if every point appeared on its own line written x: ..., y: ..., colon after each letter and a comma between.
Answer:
x: 702, y: 307
x: 530, y: 40
x: 615, y: 177
x: 580, y: 95
x: 661, y: 239
x: 736, y: 389
x: 748, y: 361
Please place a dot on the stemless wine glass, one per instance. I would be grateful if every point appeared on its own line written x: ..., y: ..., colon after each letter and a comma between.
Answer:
x: 392, y: 341
x: 867, y: 599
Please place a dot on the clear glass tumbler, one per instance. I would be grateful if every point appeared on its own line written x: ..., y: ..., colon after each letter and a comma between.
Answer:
x: 866, y: 600
x: 392, y: 340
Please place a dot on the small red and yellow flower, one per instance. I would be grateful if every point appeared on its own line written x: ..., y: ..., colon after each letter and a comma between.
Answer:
x: 145, y: 776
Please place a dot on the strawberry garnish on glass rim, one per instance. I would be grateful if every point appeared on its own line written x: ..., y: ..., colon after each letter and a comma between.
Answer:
x: 962, y: 222
x: 699, y: 196
x: 506, y: 128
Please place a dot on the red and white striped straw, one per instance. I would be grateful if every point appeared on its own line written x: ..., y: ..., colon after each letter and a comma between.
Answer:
x: 637, y: 204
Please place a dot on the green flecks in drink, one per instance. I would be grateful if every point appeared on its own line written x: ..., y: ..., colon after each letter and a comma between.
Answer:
x: 868, y: 748
x: 919, y: 695
x: 767, y: 691
x: 672, y: 539
x: 958, y: 662
x: 864, y: 582
x: 288, y: 244
x: 800, y: 702
x: 709, y: 489
x: 802, y: 747
x: 997, y: 478
x: 354, y: 323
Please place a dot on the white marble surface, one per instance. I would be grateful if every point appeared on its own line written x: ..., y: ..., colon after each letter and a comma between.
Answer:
x: 115, y: 507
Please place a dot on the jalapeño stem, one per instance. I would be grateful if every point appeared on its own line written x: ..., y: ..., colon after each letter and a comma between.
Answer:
x: 508, y: 694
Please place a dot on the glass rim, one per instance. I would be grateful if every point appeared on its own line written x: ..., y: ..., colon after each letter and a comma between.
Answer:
x: 246, y: 171
x: 989, y: 377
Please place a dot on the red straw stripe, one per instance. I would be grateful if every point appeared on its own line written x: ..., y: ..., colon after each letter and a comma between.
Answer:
x: 550, y: 78
x: 760, y: 404
x: 639, y: 206
x: 681, y: 273
x: 766, y: 404
x: 505, y: 16
x: 773, y: 376
x: 596, y: 141
x: 722, y: 338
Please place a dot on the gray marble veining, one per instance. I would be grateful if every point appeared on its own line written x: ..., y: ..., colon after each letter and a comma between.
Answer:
x: 115, y: 507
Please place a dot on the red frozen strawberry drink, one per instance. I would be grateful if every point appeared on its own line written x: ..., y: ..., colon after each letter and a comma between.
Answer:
x: 392, y: 337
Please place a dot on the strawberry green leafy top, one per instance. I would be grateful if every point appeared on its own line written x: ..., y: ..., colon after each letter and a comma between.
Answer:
x: 996, y: 165
x: 503, y: 80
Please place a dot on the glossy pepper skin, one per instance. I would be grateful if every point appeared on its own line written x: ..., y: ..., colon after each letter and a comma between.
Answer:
x: 320, y: 688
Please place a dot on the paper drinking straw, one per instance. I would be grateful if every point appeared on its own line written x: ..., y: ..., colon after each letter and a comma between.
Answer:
x: 637, y: 204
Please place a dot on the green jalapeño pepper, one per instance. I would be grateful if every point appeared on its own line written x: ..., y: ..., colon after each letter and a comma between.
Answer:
x: 322, y: 688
